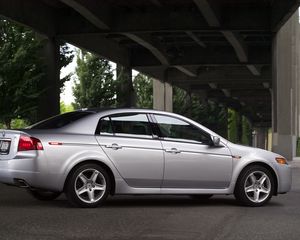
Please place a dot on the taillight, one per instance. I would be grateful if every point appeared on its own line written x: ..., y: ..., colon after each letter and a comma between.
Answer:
x: 27, y: 143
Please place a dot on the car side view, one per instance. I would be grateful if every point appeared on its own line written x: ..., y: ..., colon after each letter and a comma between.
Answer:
x: 90, y: 154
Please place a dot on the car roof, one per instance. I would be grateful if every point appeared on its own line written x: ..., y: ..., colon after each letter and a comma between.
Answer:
x: 125, y: 109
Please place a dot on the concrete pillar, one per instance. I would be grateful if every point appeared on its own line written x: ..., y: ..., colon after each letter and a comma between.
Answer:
x: 260, y: 137
x: 125, y: 92
x: 284, y: 92
x: 297, y: 73
x: 49, y: 100
x: 162, y: 96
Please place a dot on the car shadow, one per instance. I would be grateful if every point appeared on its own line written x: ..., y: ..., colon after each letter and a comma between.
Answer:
x: 174, y: 201
x: 128, y: 201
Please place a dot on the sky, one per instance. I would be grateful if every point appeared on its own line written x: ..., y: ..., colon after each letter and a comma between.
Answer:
x: 67, y: 95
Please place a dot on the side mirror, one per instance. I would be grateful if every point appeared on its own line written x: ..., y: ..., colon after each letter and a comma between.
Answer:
x: 215, y: 141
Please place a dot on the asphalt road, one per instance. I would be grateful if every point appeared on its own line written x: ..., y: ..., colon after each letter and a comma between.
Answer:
x: 154, y: 217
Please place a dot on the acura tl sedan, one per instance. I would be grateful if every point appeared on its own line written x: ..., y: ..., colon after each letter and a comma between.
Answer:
x: 90, y: 154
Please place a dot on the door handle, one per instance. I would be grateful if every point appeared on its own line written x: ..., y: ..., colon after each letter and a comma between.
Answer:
x: 113, y: 146
x: 173, y: 150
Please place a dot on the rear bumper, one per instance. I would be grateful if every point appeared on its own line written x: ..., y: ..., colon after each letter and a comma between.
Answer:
x: 21, y: 168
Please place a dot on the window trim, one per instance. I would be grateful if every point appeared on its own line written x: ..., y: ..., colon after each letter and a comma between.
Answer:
x: 151, y: 137
x: 177, y: 139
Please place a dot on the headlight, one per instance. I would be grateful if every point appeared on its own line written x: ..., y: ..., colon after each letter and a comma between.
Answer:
x: 281, y: 160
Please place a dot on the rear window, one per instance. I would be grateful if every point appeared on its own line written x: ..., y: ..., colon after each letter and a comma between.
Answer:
x: 60, y: 120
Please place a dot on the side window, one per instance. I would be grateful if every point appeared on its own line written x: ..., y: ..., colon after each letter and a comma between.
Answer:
x: 131, y: 124
x: 125, y: 125
x: 179, y: 130
x: 105, y: 126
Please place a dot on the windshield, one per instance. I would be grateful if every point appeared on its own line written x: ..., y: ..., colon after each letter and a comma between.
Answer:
x: 60, y: 120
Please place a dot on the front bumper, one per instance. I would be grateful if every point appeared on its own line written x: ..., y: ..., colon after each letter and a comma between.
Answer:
x: 284, y: 173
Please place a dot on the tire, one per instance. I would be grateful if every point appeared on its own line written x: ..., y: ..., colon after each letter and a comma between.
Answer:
x: 44, y: 195
x: 88, y: 186
x: 202, y: 197
x: 255, y: 186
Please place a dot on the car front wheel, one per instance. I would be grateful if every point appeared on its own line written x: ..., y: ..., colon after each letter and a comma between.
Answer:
x: 88, y: 186
x: 255, y: 186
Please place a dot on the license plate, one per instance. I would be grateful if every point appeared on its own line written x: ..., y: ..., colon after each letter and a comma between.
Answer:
x: 4, y: 147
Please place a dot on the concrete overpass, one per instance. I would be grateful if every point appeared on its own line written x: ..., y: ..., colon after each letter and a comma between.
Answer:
x: 240, y: 52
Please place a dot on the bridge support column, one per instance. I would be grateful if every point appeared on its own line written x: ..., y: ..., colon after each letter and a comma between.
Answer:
x: 162, y: 96
x: 284, y: 92
x: 49, y: 100
x: 260, y: 138
x: 125, y: 91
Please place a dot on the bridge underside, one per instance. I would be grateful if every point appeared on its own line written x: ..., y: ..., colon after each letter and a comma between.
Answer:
x: 222, y: 48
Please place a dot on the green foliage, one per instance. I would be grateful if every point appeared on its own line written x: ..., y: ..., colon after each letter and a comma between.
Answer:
x: 246, y: 131
x: 233, y: 121
x: 95, y: 87
x: 21, y: 70
x: 208, y: 113
x: 64, y: 108
x: 66, y: 56
x: 239, y: 128
x: 21, y: 73
x: 19, y: 124
x: 15, y: 124
x: 143, y: 86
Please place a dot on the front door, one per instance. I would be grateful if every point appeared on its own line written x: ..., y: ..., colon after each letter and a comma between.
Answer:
x: 190, y: 159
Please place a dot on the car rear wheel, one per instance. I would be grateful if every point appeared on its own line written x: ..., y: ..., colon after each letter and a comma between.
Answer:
x: 44, y: 195
x: 255, y: 186
x: 88, y: 186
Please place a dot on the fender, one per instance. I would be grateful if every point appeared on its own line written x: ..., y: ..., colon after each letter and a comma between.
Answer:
x: 83, y: 156
x: 239, y: 165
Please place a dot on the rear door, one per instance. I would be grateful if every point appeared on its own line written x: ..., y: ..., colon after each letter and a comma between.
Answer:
x: 128, y: 141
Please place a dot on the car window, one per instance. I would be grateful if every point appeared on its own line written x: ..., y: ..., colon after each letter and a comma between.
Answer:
x: 126, y: 125
x: 176, y: 129
x: 60, y: 120
x: 105, y: 126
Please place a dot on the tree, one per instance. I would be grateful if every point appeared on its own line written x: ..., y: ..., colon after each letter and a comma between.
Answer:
x: 64, y: 108
x: 96, y: 86
x: 209, y: 113
x: 66, y: 56
x: 143, y: 86
x: 21, y: 72
x: 246, y: 131
x: 233, y: 122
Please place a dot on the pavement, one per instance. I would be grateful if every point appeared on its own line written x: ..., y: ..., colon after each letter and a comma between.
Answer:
x: 150, y: 217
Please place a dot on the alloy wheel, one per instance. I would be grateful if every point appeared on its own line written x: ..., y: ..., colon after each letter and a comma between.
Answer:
x: 90, y: 185
x: 257, y: 186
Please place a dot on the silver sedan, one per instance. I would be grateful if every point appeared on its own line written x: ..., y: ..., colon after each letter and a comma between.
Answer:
x: 90, y: 154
